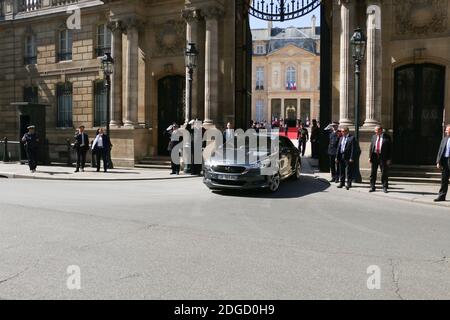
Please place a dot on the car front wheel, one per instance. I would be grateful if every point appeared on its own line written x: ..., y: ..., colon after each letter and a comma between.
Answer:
x: 274, y: 182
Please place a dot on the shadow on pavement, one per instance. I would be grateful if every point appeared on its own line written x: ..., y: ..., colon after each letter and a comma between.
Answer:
x: 53, y: 173
x: 307, y: 185
x: 416, y: 192
x: 121, y: 172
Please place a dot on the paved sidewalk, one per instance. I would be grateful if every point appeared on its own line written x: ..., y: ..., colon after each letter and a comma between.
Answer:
x: 413, y: 192
x: 15, y: 170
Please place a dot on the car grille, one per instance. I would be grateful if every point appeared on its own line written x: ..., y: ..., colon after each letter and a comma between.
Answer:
x: 229, y: 169
x: 228, y: 182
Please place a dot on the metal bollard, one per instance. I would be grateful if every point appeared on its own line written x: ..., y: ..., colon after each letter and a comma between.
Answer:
x: 69, y: 153
x: 5, y: 150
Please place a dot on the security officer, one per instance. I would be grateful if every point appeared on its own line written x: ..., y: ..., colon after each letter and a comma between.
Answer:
x: 31, y: 142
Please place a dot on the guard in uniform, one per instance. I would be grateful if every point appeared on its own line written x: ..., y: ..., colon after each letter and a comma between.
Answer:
x: 31, y: 142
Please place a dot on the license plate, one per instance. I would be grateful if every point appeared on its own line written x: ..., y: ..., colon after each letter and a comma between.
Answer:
x: 226, y: 177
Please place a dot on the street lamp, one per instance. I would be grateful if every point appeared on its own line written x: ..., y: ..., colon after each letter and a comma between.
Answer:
x: 358, y: 43
x: 108, y: 68
x: 191, y: 57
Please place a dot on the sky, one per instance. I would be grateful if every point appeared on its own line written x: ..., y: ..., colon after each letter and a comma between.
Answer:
x: 304, y: 21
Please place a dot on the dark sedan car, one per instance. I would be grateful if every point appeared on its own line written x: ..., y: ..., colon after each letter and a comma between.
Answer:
x: 264, y: 166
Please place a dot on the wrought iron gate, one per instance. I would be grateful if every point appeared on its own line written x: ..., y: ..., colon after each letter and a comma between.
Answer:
x: 281, y: 10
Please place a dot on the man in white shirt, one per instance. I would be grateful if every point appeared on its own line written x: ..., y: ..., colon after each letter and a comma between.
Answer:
x: 101, y: 148
x: 228, y: 133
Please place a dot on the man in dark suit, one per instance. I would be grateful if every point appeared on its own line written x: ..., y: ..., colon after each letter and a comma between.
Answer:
x: 380, y: 155
x: 345, y: 157
x: 81, y: 147
x: 334, y: 136
x: 443, y: 163
x: 315, y: 137
x: 302, y: 136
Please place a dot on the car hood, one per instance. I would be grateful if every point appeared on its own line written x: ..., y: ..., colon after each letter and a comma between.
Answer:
x: 251, y: 158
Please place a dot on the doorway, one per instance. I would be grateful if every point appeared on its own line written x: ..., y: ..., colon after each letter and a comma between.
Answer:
x: 171, y: 93
x: 418, y: 113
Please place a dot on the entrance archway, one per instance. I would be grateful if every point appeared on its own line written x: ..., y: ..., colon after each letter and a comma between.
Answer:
x: 418, y: 113
x: 170, y: 107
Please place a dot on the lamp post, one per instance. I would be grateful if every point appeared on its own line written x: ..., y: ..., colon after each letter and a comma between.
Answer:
x: 358, y: 44
x: 191, y: 59
x: 108, y: 68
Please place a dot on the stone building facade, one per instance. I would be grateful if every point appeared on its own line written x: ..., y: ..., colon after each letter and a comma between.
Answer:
x: 286, y: 73
x: 47, y: 59
x: 405, y: 75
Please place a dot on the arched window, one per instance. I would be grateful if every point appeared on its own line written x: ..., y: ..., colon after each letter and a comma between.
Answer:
x: 64, y: 105
x: 260, y: 110
x: 65, y: 45
x: 259, y: 78
x: 291, y: 78
x: 103, y: 40
x: 100, y: 103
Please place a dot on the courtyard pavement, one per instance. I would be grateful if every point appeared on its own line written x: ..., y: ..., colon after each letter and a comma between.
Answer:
x: 412, y: 192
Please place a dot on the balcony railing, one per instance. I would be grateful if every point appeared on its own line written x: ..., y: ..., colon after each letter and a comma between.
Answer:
x: 29, y: 5
x: 19, y: 9
x: 33, y: 5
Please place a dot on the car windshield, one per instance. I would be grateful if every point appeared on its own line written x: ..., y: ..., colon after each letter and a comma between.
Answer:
x: 252, y: 144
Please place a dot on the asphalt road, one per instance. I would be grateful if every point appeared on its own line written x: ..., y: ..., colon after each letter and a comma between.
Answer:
x: 177, y: 240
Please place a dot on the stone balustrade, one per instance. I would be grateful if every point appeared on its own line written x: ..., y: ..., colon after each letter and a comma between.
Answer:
x: 13, y: 9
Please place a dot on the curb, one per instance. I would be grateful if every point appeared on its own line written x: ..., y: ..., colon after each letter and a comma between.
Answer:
x: 21, y: 176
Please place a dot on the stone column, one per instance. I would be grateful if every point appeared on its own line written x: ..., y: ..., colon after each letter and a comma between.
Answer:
x: 374, y: 66
x: 212, y: 64
x: 132, y: 90
x: 116, y: 81
x: 192, y: 18
x: 345, y: 64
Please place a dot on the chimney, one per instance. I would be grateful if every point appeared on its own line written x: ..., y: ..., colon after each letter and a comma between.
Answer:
x: 313, y: 26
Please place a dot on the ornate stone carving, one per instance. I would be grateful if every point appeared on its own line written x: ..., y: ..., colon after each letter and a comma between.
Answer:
x: 115, y: 26
x: 213, y: 13
x: 191, y: 15
x: 170, y: 38
x: 420, y: 17
x: 132, y: 23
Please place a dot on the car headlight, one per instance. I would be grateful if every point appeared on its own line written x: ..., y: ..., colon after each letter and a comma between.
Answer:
x: 261, y: 164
